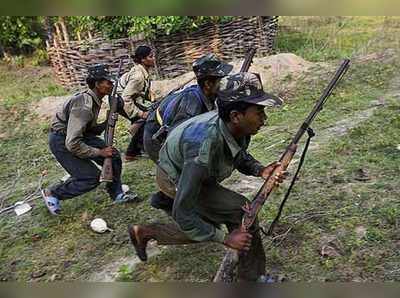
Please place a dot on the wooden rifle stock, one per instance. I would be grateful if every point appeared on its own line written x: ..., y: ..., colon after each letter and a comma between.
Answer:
x: 112, y: 117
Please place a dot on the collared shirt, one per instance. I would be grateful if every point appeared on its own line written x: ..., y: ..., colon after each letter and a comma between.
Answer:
x: 134, y: 86
x: 203, y: 142
x: 76, y: 118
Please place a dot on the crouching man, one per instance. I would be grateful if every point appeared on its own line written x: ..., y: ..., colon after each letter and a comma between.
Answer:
x: 200, y: 153
x: 74, y: 143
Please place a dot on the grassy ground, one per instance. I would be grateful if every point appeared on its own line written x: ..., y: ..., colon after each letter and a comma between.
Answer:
x: 345, y: 203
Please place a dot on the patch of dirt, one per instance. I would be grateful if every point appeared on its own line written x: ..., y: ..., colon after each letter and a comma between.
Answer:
x: 47, y: 107
x: 272, y: 69
x: 277, y: 72
x: 110, y: 271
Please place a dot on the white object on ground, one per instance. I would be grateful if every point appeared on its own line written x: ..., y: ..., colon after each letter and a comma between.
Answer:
x: 22, y: 208
x: 99, y: 225
x: 398, y: 147
x: 125, y: 188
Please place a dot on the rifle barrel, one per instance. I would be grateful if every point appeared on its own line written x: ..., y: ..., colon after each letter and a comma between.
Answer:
x: 320, y: 103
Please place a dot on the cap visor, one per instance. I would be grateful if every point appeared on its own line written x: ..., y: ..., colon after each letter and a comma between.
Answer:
x: 110, y: 78
x: 266, y: 100
x: 224, y: 69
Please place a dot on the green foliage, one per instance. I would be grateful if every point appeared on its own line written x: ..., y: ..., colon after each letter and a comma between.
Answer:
x: 117, y: 27
x: 21, y: 34
x: 125, y: 273
x: 40, y: 58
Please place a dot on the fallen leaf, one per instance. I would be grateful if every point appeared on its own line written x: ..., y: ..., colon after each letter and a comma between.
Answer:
x: 67, y: 264
x: 55, y: 277
x: 329, y: 251
x: 38, y: 274
x: 36, y: 237
x: 362, y: 175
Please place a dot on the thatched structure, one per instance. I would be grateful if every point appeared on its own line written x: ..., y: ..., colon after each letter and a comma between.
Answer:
x: 174, y: 53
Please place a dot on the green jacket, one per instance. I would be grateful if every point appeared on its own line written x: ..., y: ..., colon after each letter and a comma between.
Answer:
x: 198, y: 151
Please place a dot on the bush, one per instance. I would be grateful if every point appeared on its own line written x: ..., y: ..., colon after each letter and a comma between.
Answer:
x: 117, y: 27
x: 40, y: 58
x: 21, y: 35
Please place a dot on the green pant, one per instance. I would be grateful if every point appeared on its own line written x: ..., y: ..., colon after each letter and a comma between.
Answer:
x: 219, y: 206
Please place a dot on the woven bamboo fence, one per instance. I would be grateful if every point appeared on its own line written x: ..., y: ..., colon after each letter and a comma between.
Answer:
x: 174, y: 53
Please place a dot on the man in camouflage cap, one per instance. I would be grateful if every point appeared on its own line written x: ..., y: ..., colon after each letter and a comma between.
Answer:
x: 180, y: 106
x: 74, y: 143
x: 195, y: 158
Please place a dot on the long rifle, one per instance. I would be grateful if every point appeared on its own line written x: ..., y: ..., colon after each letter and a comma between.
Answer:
x: 248, y: 60
x: 228, y: 265
x: 107, y: 171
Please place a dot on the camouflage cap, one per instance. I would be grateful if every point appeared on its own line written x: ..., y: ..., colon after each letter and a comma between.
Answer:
x: 210, y: 66
x: 99, y: 72
x: 246, y: 87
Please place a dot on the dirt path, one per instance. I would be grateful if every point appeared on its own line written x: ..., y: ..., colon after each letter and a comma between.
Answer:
x: 110, y: 272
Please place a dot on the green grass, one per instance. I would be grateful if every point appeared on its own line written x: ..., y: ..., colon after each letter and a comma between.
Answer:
x: 326, y: 38
x: 328, y: 185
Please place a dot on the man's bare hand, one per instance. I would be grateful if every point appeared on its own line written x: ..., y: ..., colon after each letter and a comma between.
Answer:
x: 107, y: 151
x: 278, y: 176
x: 238, y: 240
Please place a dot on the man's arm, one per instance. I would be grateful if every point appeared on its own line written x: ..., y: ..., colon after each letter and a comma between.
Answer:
x: 99, y: 128
x: 246, y: 164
